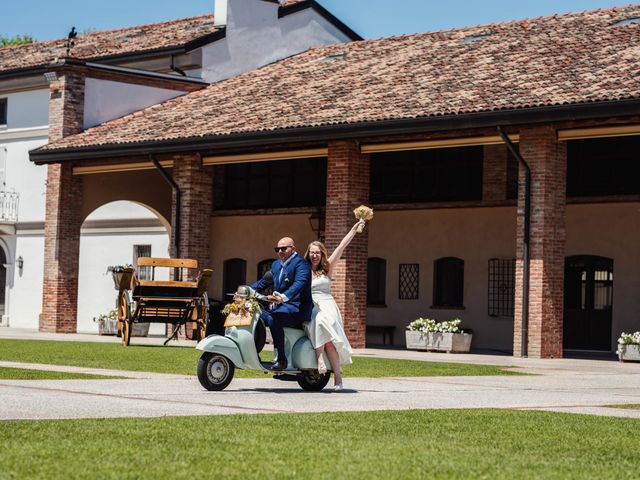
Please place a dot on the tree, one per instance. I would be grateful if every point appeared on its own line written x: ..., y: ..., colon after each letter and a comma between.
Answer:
x: 17, y: 40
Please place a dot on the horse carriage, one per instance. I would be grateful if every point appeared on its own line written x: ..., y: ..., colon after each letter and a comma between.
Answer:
x: 176, y: 302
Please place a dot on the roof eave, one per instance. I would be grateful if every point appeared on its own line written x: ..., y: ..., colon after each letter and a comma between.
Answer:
x: 444, y: 123
x: 326, y: 14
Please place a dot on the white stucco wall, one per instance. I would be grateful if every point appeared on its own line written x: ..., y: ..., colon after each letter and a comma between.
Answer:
x: 106, y: 99
x: 255, y: 37
x: 27, y: 109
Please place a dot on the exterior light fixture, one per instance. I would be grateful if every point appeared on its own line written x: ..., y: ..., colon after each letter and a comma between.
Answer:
x: 20, y: 262
x: 316, y: 220
x: 51, y: 76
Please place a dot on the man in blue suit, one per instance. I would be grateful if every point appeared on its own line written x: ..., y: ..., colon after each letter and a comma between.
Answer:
x: 291, y: 302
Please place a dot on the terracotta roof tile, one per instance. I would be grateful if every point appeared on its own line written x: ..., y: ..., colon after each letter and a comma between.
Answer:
x: 565, y: 59
x: 123, y: 41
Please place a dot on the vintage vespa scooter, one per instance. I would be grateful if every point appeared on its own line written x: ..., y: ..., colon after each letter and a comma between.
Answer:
x: 244, y: 339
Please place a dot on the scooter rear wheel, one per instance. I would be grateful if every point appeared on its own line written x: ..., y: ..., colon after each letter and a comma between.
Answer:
x: 215, y: 371
x: 312, y: 381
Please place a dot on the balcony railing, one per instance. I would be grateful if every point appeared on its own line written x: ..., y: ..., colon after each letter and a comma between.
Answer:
x: 9, y: 206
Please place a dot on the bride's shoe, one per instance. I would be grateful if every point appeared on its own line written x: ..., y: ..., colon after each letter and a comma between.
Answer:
x: 338, y: 388
x: 322, y: 368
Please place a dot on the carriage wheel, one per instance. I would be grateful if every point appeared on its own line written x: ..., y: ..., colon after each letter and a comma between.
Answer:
x: 124, y: 316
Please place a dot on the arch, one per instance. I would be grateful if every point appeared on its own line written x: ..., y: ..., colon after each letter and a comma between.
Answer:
x: 448, y: 282
x: 113, y: 234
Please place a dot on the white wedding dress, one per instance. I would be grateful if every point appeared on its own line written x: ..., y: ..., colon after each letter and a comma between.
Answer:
x: 326, y: 322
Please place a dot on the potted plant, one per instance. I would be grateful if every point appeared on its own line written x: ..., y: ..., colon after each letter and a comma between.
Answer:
x: 629, y: 346
x: 429, y: 334
x: 117, y: 272
x: 107, y: 323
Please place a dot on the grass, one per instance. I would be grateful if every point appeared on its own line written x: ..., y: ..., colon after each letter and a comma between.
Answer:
x: 447, y: 444
x: 8, y: 373
x: 629, y: 406
x: 182, y: 360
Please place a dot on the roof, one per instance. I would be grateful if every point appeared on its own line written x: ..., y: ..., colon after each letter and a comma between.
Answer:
x: 548, y: 61
x: 110, y: 43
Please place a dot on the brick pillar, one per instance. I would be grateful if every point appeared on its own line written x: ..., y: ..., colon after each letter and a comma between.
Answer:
x: 196, y: 188
x: 63, y: 217
x: 494, y: 174
x: 547, y: 159
x: 348, y: 188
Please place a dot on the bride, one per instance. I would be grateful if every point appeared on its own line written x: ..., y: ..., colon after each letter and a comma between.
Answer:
x: 326, y: 329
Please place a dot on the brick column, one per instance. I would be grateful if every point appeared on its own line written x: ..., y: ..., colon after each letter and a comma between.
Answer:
x: 63, y: 218
x: 196, y: 204
x: 547, y: 159
x: 348, y: 188
x: 494, y: 174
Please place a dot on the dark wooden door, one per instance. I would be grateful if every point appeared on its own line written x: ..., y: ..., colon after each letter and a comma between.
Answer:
x: 588, y: 301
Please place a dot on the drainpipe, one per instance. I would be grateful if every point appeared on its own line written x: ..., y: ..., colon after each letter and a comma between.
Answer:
x: 526, y: 243
x: 176, y: 226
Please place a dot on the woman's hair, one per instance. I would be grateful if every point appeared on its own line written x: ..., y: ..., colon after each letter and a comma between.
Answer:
x: 323, y: 266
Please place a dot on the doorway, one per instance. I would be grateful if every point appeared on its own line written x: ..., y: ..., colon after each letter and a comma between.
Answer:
x: 588, y: 302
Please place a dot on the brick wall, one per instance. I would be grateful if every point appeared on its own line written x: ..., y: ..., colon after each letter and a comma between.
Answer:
x: 196, y: 186
x: 348, y: 188
x: 494, y: 174
x: 63, y: 212
x: 547, y: 160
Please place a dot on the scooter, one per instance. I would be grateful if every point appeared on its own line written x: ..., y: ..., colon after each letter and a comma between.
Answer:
x: 240, y: 346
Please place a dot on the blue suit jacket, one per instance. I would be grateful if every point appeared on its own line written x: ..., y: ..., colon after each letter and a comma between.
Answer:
x: 295, y: 284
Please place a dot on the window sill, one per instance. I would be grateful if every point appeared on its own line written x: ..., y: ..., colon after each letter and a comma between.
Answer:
x: 448, y: 307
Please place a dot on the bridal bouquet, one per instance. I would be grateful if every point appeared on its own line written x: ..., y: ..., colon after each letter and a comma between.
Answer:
x: 363, y: 213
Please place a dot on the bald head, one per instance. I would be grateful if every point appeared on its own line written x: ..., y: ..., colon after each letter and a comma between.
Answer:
x: 286, y: 247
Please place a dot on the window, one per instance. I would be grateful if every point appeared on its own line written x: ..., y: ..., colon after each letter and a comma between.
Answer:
x: 376, y: 281
x: 3, y: 111
x: 448, y: 282
x: 276, y: 184
x: 603, y: 166
x: 502, y: 284
x: 408, y: 281
x: 445, y: 174
x: 234, y: 274
x: 144, y: 273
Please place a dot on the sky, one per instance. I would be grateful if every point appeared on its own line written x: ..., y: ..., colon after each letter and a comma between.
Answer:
x: 49, y: 19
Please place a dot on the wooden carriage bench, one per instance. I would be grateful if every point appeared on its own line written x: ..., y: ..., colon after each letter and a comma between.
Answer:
x: 175, y: 302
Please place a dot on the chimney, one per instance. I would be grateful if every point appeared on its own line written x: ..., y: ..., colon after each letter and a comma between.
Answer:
x: 220, y: 13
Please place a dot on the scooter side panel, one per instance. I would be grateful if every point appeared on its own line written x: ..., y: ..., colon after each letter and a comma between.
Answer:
x: 223, y: 346
x: 247, y: 346
x: 303, y: 354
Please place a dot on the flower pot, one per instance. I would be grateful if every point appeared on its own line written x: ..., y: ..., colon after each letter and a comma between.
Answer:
x: 140, y: 330
x: 439, y: 342
x: 107, y: 327
x: 629, y: 353
x: 417, y: 340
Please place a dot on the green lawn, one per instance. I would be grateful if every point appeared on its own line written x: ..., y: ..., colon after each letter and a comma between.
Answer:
x: 629, y: 406
x: 445, y: 444
x: 7, y: 373
x: 182, y: 360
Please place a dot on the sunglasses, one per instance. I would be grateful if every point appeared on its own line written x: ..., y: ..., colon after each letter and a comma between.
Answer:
x: 281, y: 249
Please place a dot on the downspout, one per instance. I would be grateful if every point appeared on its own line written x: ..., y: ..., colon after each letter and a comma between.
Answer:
x: 525, y: 243
x: 176, y: 225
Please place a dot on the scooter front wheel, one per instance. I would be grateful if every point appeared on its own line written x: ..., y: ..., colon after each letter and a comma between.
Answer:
x: 215, y: 371
x: 312, y: 381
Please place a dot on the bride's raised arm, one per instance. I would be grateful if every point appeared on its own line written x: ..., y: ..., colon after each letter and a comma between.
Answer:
x: 337, y: 253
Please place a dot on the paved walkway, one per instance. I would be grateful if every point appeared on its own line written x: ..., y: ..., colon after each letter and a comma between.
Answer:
x: 567, y: 385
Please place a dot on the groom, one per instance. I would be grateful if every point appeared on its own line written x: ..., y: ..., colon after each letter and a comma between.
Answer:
x: 291, y: 302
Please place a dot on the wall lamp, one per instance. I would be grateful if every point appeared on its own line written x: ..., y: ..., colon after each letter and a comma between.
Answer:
x: 51, y: 76
x: 20, y: 262
x: 317, y: 222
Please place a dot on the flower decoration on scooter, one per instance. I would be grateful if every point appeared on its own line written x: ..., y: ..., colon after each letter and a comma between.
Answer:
x: 242, y: 309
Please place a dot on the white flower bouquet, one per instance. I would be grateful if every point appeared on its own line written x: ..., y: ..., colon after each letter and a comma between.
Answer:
x: 429, y: 325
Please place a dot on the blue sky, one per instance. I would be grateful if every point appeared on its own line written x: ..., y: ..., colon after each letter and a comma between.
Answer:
x: 48, y: 19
